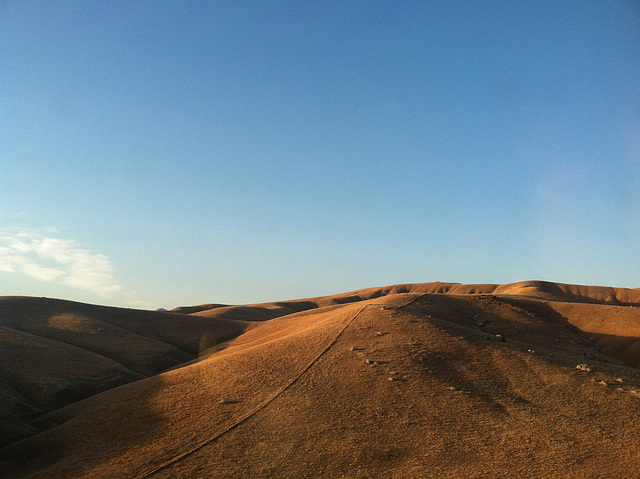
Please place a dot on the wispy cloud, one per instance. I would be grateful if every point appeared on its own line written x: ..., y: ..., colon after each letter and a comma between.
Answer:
x: 57, y: 260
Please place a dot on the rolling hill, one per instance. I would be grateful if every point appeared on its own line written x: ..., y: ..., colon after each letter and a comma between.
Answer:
x: 529, y: 379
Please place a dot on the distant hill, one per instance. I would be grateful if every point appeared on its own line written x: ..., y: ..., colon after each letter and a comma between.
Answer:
x: 529, y: 379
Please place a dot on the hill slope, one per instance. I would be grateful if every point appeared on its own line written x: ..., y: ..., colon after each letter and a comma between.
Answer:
x: 54, y: 353
x: 403, y: 381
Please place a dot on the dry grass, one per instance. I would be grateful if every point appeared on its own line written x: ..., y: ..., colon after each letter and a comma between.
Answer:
x: 403, y: 381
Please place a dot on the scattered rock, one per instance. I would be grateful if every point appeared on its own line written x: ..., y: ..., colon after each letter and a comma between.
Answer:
x: 224, y: 401
x: 583, y: 367
x: 355, y: 348
x: 394, y: 378
x: 370, y: 362
x: 619, y: 380
x: 603, y: 383
x: 500, y: 337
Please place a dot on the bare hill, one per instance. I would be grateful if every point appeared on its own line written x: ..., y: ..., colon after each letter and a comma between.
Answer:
x: 54, y: 352
x: 530, y: 379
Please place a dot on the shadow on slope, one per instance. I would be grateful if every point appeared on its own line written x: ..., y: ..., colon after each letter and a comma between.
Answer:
x: 611, y: 330
x: 342, y: 410
x: 162, y: 416
x: 414, y: 387
x: 571, y: 293
x: 108, y: 425
x: 54, y: 353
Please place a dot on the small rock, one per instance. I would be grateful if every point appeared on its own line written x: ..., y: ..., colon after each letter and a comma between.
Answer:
x: 479, y: 321
x: 603, y: 383
x: 224, y: 401
x: 619, y: 380
x: 394, y: 378
x: 379, y: 333
x: 501, y: 338
x: 583, y: 367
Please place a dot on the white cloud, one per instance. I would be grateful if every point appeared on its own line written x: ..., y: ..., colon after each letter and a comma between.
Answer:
x: 57, y: 260
x: 38, y: 272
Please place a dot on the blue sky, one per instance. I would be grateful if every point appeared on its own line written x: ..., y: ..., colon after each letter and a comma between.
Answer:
x: 156, y: 154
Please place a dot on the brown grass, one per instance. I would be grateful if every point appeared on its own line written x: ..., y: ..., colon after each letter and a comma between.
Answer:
x: 403, y: 381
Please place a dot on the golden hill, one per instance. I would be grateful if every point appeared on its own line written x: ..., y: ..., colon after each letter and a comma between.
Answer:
x: 529, y: 379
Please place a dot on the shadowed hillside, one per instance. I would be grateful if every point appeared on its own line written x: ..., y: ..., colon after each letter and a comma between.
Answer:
x: 529, y: 379
x: 54, y: 353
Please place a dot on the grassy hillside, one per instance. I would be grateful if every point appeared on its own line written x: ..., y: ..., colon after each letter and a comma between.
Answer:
x: 431, y: 380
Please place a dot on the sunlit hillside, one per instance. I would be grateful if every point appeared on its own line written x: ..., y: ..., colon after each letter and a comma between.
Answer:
x: 529, y: 379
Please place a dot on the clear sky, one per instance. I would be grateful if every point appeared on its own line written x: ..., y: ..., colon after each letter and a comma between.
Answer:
x: 156, y: 154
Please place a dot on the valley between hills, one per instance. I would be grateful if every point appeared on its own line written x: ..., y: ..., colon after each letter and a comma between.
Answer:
x: 433, y: 380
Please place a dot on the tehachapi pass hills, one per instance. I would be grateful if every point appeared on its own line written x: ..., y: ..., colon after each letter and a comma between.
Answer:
x: 529, y: 379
